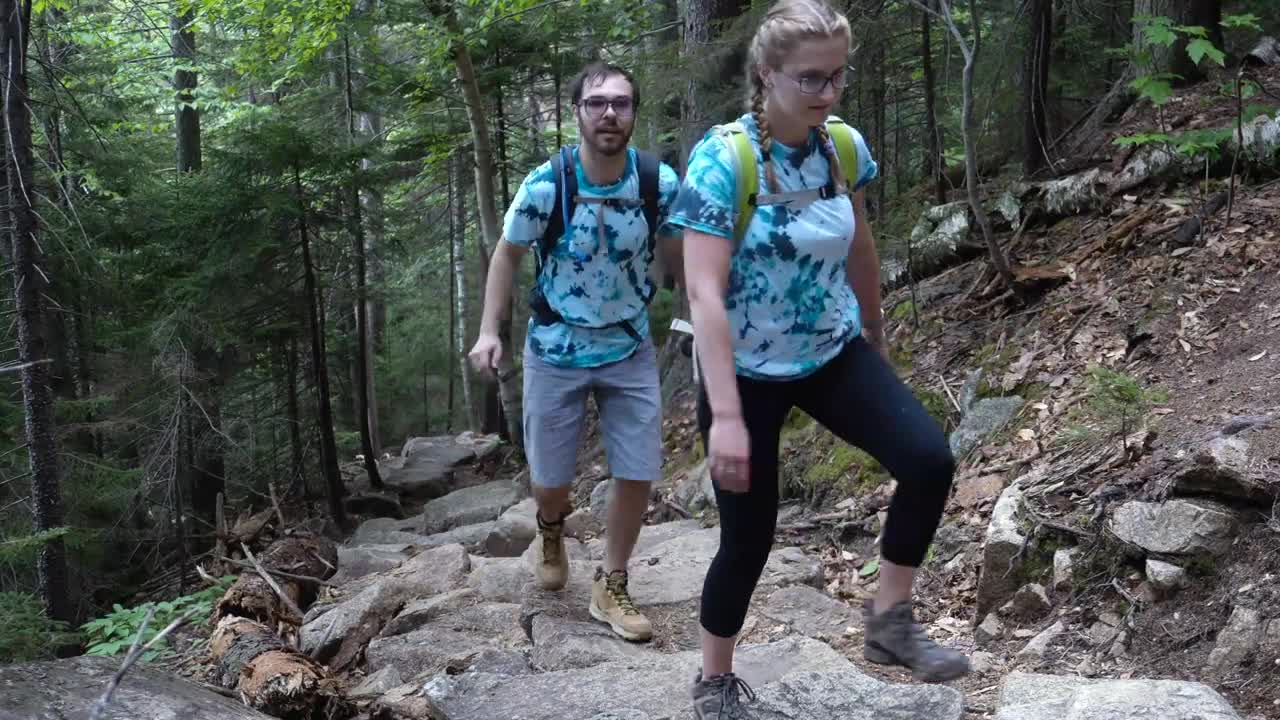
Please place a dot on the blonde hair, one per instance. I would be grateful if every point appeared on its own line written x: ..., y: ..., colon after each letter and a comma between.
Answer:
x: 788, y: 23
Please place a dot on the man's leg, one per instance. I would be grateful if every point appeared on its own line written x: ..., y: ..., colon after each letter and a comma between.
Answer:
x: 554, y: 410
x: 627, y: 503
x: 631, y: 427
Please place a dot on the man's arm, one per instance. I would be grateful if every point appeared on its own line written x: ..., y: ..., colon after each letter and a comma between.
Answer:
x: 497, y: 289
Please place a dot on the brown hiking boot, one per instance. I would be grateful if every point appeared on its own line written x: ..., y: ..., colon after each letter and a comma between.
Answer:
x: 717, y: 698
x: 611, y: 603
x: 894, y: 638
x: 550, y: 560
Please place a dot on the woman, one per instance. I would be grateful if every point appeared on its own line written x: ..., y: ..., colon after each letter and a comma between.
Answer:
x: 789, y: 315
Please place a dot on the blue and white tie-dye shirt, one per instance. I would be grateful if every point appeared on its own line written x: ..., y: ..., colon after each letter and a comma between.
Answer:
x: 594, y: 276
x: 790, y: 306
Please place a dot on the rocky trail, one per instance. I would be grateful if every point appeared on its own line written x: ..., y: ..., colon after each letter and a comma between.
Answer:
x: 1111, y: 549
x: 435, y: 615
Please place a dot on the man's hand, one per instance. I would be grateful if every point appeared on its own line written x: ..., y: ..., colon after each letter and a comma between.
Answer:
x: 486, y: 354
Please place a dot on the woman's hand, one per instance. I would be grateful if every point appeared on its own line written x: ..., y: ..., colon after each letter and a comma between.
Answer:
x: 730, y: 459
x: 874, y: 334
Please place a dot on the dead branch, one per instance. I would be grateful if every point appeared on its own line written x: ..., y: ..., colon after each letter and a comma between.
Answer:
x: 288, y: 601
x: 135, y: 652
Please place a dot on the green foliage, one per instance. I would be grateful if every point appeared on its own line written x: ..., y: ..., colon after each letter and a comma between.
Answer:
x: 23, y: 549
x: 1244, y: 21
x: 113, y: 633
x: 1158, y: 87
x: 26, y: 633
x: 1115, y: 403
x: 1201, y: 47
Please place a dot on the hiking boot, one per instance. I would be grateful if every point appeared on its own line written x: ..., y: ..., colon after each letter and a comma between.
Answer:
x: 894, y: 638
x: 611, y: 603
x: 717, y: 698
x: 550, y: 560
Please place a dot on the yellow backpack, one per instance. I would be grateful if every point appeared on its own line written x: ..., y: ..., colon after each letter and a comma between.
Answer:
x: 744, y: 157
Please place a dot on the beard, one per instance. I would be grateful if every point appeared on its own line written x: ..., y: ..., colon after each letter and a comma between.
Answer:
x: 608, y: 139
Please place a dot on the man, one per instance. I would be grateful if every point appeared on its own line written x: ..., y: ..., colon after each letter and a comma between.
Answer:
x: 589, y: 330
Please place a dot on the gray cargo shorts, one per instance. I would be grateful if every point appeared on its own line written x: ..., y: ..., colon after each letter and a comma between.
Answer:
x: 555, y: 413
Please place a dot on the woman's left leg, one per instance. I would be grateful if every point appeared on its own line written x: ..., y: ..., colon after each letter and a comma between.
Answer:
x: 860, y: 399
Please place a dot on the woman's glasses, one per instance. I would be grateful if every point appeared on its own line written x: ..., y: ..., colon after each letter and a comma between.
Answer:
x: 595, y: 106
x: 815, y: 83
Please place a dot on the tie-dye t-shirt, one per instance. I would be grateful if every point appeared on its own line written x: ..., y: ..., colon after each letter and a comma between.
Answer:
x: 598, y: 272
x: 790, y: 306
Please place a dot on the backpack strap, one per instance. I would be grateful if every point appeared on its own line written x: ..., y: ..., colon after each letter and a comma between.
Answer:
x: 846, y: 149
x: 648, y: 168
x: 566, y: 180
x: 744, y: 171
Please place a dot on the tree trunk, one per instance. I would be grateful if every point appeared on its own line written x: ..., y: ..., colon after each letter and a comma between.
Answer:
x: 933, y: 160
x: 970, y: 131
x: 454, y: 296
x: 459, y: 257
x: 1156, y: 59
x: 298, y: 474
x: 29, y: 289
x: 1035, y: 81
x: 187, y: 117
x: 701, y: 26
x: 355, y: 222
x: 509, y: 380
x: 324, y: 412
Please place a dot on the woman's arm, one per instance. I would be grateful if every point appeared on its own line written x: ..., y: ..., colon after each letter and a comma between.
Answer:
x: 706, y: 270
x: 706, y: 274
x: 863, y: 272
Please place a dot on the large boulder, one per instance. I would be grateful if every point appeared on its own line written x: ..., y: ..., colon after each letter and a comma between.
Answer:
x: 355, y: 562
x: 476, y: 504
x: 811, y: 613
x: 69, y: 688
x: 795, y: 678
x: 341, y: 629
x: 515, y: 529
x: 1239, y: 640
x: 425, y: 468
x: 1225, y: 468
x: 1176, y: 527
x: 1051, y: 697
x: 984, y: 419
x: 563, y: 644
x: 450, y: 641
x: 673, y: 571
x: 1000, y: 576
x: 387, y: 531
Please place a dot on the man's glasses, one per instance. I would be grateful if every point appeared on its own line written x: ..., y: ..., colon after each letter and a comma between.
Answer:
x: 623, y: 107
x: 815, y: 83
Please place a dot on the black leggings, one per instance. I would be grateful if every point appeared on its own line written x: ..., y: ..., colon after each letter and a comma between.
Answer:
x: 858, y: 398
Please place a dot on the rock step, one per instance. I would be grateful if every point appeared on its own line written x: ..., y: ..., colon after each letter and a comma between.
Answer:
x: 793, y: 678
x: 1027, y: 696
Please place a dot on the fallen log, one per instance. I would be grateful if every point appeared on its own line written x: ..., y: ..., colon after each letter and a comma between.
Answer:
x: 252, y: 595
x: 272, y: 677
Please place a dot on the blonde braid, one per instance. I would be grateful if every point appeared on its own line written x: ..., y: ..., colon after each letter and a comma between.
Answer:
x: 833, y: 159
x: 766, y: 138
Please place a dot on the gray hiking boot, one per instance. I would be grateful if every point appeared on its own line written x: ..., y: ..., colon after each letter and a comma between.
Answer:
x: 717, y: 698
x: 894, y: 638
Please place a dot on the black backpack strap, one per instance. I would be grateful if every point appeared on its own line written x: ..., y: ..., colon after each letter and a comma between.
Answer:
x: 566, y: 180
x: 647, y: 167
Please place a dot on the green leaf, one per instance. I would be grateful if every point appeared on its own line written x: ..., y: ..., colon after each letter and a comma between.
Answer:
x: 871, y: 568
x: 1199, y: 48
x: 1159, y: 31
x: 1156, y: 89
x: 1247, y: 21
x: 1193, y: 30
